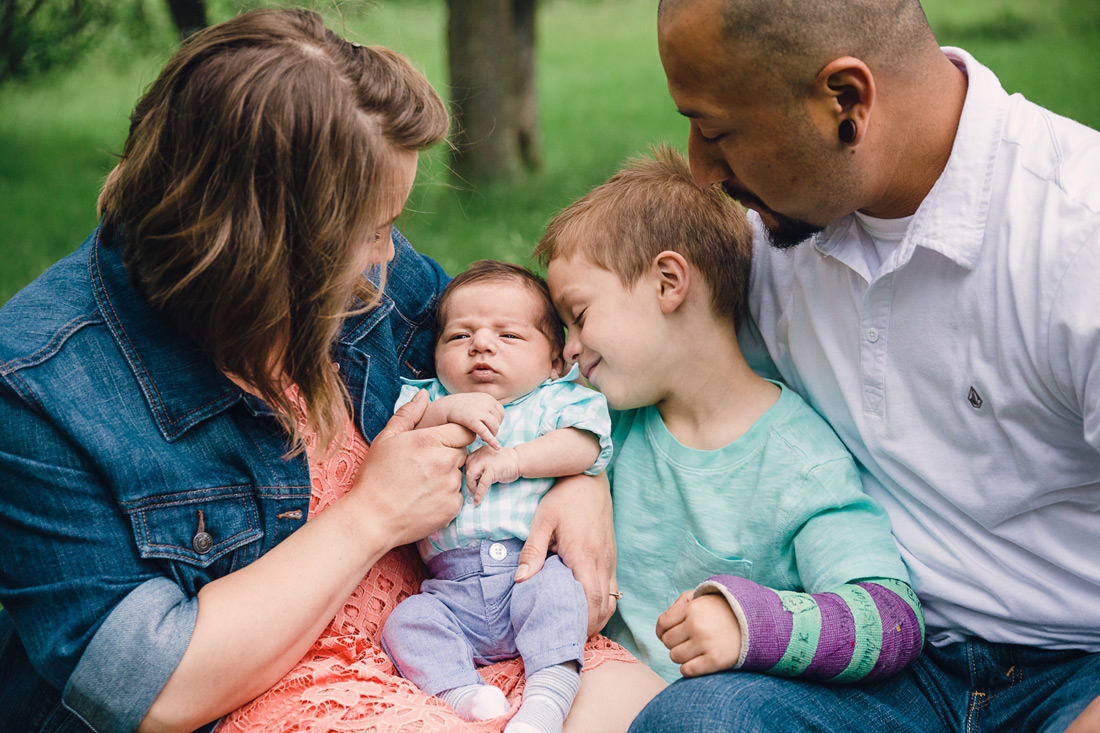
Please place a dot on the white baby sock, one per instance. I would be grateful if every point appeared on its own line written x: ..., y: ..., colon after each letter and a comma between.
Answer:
x: 476, y: 702
x: 547, y: 698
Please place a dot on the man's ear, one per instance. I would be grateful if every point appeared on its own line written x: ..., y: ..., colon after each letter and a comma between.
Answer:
x: 844, y: 91
x: 673, y: 279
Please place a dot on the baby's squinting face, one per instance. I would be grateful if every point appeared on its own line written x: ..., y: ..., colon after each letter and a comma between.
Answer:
x: 490, y: 342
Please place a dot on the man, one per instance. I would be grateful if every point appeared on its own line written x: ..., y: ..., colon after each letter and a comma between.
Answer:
x: 927, y: 261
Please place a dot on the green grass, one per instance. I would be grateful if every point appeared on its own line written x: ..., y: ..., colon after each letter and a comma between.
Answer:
x: 1049, y: 52
x: 602, y: 99
x: 57, y: 137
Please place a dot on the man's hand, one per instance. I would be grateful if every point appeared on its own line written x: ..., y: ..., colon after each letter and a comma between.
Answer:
x: 574, y: 520
x: 487, y: 466
x: 702, y: 634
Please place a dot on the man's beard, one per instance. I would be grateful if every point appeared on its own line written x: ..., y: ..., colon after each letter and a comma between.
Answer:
x: 786, y: 232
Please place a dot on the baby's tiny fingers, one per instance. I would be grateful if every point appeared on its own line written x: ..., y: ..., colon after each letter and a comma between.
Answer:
x: 490, y: 439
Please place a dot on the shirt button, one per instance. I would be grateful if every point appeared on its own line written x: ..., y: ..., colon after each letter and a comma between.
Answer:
x: 202, y: 542
x: 872, y: 335
x: 498, y: 551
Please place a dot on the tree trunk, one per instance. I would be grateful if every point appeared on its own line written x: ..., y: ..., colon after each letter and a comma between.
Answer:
x: 526, y: 106
x: 491, y: 50
x: 188, y: 15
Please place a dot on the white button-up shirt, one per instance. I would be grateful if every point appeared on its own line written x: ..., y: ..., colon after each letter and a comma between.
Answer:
x: 965, y: 374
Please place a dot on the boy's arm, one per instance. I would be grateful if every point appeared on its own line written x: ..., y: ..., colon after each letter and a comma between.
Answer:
x: 862, y: 630
x: 561, y: 452
x: 869, y: 628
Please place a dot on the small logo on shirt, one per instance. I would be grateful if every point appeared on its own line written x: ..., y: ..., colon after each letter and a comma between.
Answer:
x: 974, y: 399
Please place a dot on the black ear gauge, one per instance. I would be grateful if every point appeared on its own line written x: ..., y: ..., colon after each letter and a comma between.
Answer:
x: 847, y: 132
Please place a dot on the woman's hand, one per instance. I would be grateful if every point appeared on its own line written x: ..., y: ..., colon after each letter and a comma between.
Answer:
x: 411, y: 479
x: 574, y: 520
x: 255, y: 623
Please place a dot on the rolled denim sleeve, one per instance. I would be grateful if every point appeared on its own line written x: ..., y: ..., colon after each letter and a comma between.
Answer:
x: 131, y: 657
x: 98, y: 622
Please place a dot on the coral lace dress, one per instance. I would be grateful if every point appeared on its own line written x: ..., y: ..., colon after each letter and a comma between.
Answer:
x: 345, y: 682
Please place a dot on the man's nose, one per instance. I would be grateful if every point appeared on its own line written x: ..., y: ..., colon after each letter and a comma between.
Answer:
x: 708, y: 163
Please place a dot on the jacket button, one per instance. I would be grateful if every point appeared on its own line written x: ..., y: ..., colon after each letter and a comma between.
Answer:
x: 202, y: 542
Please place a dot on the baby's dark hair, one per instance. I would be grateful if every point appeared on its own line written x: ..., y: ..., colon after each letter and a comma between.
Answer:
x: 496, y: 271
x: 653, y: 205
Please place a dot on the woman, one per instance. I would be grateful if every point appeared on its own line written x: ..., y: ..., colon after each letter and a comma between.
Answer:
x: 172, y: 393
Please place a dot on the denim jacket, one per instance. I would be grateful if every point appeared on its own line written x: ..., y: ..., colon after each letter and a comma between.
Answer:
x: 132, y: 471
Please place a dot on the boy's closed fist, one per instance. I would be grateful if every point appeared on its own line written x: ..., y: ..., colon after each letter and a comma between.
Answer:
x: 702, y: 634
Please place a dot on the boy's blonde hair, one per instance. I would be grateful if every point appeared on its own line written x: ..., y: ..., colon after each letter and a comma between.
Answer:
x: 651, y: 206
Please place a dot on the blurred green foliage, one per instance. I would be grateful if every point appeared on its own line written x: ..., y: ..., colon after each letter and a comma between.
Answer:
x: 37, y: 36
x: 602, y: 99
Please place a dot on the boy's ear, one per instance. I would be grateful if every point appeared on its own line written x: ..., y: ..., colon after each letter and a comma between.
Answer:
x: 673, y: 280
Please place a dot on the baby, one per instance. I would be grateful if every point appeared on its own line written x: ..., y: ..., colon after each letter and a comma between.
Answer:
x: 745, y: 539
x: 500, y: 374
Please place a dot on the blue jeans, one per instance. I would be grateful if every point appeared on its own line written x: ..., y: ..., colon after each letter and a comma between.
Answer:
x: 970, y: 686
x: 471, y: 612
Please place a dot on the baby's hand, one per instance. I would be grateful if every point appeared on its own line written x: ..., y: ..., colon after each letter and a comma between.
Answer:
x: 487, y: 466
x: 477, y: 411
x: 702, y: 634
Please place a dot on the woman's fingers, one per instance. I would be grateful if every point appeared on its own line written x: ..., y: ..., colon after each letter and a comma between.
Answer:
x: 413, y: 478
x: 406, y: 417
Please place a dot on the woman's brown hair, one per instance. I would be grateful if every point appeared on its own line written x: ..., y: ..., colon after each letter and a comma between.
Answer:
x: 258, y: 165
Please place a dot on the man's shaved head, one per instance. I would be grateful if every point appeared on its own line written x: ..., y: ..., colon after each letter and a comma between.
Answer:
x: 808, y: 110
x: 799, y: 37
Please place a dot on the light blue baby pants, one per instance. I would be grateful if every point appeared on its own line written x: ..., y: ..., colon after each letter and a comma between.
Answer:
x: 471, y: 612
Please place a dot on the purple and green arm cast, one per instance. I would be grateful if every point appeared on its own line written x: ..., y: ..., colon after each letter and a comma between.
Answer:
x: 863, y: 630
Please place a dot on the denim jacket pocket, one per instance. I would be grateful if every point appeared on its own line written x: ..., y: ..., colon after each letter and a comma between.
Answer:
x: 199, y: 535
x: 695, y: 563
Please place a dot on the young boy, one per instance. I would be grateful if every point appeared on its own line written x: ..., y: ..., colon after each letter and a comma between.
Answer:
x: 744, y: 539
x: 498, y: 359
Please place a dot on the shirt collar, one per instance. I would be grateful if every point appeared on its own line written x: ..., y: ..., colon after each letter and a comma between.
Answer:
x: 952, y: 218
x: 182, y: 386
